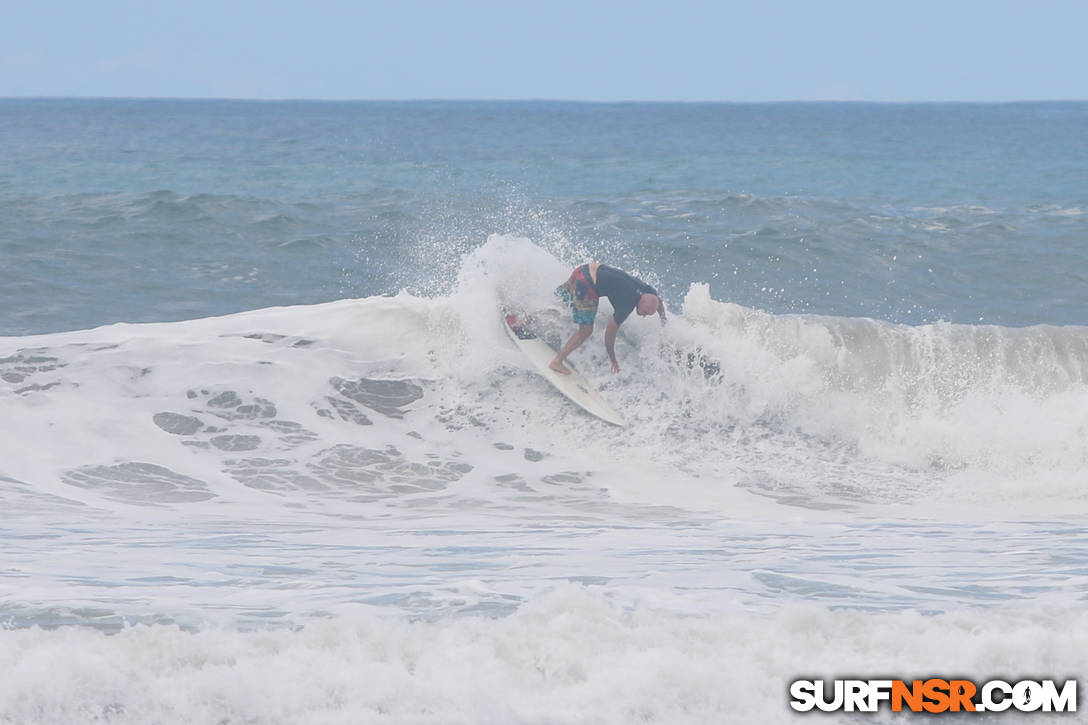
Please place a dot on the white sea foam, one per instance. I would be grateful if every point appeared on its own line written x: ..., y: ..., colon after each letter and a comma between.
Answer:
x: 999, y: 410
x: 974, y: 412
x: 373, y: 510
x: 569, y: 655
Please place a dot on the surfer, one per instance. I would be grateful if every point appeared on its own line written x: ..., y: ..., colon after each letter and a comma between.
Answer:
x: 587, y: 284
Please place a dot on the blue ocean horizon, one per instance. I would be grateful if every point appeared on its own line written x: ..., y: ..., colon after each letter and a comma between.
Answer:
x: 905, y: 212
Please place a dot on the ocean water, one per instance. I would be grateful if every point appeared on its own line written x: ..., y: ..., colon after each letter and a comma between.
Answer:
x: 267, y: 456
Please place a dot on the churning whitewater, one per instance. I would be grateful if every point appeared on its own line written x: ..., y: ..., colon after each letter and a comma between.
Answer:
x: 288, y: 465
x: 268, y: 456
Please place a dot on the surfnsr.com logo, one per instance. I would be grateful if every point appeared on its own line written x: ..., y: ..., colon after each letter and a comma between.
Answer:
x: 933, y: 695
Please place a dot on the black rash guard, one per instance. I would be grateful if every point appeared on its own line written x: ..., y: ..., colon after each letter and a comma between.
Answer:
x: 621, y: 289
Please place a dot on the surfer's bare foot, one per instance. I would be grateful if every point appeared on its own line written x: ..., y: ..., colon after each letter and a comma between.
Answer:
x: 559, y: 367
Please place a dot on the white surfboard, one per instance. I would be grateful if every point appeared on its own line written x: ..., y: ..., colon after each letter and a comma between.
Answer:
x: 574, y: 386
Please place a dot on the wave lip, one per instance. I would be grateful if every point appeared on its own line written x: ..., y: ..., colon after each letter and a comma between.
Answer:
x: 981, y: 398
x: 801, y: 406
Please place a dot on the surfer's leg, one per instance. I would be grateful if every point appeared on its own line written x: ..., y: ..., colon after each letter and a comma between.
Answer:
x: 580, y: 336
x: 579, y: 293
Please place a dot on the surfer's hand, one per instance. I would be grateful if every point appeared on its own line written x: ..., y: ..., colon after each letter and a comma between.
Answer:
x: 615, y: 366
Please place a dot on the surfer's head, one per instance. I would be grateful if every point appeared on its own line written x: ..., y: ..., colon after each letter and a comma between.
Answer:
x: 648, y: 304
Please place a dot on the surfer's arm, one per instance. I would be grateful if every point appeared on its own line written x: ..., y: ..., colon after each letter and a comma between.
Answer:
x: 610, y: 342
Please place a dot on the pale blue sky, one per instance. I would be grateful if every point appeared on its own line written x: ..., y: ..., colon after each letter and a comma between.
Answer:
x: 604, y: 50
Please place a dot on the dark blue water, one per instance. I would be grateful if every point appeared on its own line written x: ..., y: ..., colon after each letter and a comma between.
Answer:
x: 165, y: 210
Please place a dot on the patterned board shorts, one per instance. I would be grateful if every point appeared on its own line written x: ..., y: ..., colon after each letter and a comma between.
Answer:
x: 581, y: 295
